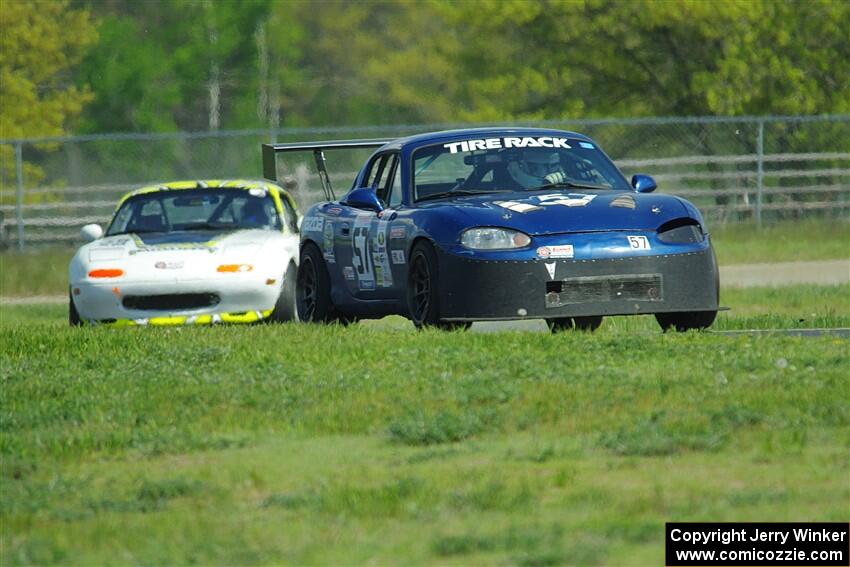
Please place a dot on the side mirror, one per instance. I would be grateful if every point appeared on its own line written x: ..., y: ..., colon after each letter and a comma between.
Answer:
x: 643, y: 183
x: 364, y: 198
x: 91, y: 232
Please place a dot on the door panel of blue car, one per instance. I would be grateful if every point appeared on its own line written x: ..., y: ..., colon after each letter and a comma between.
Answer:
x: 361, y: 257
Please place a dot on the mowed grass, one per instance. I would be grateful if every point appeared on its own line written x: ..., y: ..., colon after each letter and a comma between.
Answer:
x: 786, y: 241
x: 45, y: 271
x: 377, y: 444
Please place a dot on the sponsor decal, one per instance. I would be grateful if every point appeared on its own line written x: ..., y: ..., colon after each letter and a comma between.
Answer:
x: 398, y: 256
x: 656, y: 209
x: 517, y: 206
x: 328, y: 242
x: 348, y: 272
x: 550, y: 267
x: 560, y: 251
x: 586, y: 145
x: 312, y: 224
x: 383, y: 273
x: 333, y: 211
x: 361, y: 256
x: 639, y: 243
x: 566, y: 200
x: 111, y: 242
x: 507, y: 142
x: 398, y: 232
x: 554, y: 199
x: 258, y: 192
x: 178, y: 265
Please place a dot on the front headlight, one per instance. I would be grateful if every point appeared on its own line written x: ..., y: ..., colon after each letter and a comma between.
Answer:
x: 494, y: 239
x: 681, y: 231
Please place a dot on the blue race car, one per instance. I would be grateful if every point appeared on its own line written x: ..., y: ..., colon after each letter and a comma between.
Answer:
x: 496, y: 224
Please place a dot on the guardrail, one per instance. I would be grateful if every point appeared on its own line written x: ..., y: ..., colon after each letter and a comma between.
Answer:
x: 725, y: 186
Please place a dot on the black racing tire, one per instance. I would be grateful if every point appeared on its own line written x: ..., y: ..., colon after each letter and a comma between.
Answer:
x: 313, y: 287
x: 587, y: 324
x: 454, y: 325
x: 560, y: 324
x: 285, y: 308
x: 73, y: 315
x: 685, y: 321
x: 423, y: 295
x: 345, y: 320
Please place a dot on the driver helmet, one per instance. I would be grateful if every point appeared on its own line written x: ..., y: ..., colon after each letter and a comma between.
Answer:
x: 254, y: 214
x: 530, y: 168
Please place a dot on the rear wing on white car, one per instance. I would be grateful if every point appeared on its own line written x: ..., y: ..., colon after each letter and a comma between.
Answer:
x: 270, y: 151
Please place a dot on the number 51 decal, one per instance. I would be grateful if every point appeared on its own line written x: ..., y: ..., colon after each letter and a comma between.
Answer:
x: 639, y: 242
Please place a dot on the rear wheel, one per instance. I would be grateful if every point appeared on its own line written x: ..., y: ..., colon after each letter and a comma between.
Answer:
x: 285, y: 308
x: 561, y: 324
x: 686, y: 321
x: 313, y: 288
x: 423, y: 298
x: 73, y: 315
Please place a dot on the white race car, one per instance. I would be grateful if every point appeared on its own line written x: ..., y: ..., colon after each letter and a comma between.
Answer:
x: 190, y: 252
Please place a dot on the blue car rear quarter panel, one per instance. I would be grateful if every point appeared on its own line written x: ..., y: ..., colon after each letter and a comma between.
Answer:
x: 602, y: 274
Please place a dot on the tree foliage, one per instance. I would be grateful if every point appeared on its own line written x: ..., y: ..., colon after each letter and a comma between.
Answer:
x: 203, y: 64
x: 40, y: 43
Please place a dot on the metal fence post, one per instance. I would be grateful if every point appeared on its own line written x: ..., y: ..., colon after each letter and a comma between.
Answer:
x: 760, y: 171
x: 19, y: 194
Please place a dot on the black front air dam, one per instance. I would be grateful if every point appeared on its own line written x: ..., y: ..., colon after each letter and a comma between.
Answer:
x: 477, y: 290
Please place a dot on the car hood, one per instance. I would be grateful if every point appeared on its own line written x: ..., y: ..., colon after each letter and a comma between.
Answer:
x: 563, y: 211
x: 208, y: 241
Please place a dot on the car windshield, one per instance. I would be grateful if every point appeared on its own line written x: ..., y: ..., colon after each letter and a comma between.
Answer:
x: 511, y: 163
x: 196, y: 209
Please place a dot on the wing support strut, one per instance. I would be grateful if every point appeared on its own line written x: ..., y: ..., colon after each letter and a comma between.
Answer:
x: 270, y: 151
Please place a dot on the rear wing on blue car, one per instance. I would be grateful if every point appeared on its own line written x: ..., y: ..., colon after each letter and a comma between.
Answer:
x: 270, y: 151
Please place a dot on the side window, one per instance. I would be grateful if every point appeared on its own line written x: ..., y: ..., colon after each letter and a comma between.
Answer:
x: 289, y: 216
x: 122, y: 218
x: 377, y: 168
x: 395, y: 187
x: 385, y: 182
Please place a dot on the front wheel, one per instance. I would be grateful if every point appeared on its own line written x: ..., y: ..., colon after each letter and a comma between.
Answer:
x: 685, y: 321
x: 313, y: 288
x: 423, y: 296
x: 285, y: 308
x: 73, y: 315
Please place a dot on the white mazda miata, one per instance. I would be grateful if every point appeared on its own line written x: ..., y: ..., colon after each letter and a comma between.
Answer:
x: 190, y: 252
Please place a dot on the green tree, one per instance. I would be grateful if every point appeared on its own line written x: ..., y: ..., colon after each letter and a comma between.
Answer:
x: 131, y: 80
x: 553, y: 59
x: 40, y: 43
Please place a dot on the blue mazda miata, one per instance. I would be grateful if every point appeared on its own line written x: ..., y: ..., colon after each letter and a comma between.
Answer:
x: 493, y: 224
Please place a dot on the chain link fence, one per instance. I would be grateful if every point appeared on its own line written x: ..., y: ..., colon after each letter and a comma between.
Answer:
x: 735, y: 169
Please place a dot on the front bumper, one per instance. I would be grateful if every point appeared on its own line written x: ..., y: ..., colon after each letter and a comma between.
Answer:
x: 241, y: 299
x: 476, y: 289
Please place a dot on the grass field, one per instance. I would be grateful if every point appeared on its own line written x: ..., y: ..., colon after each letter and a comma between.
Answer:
x: 378, y: 444
x: 44, y: 271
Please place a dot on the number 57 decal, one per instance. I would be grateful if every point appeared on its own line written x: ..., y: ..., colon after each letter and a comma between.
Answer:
x: 639, y: 242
